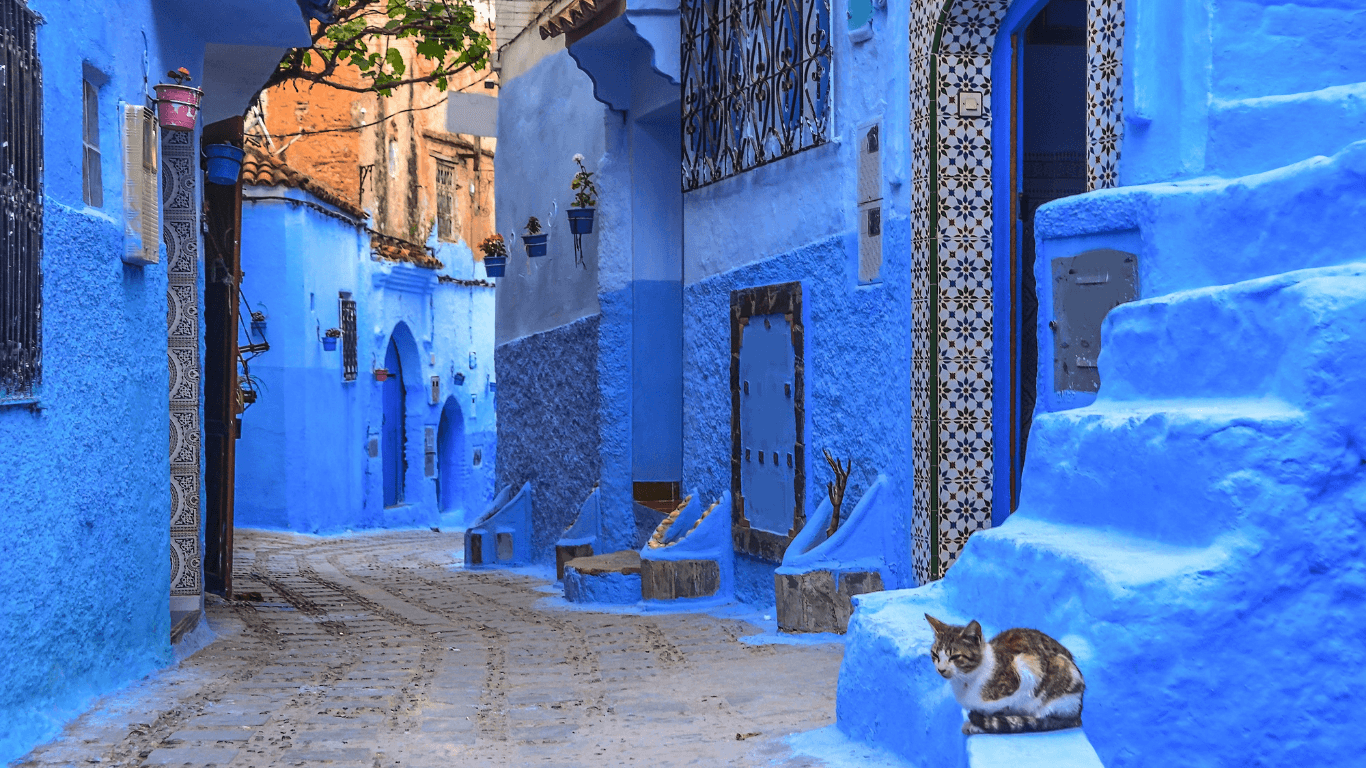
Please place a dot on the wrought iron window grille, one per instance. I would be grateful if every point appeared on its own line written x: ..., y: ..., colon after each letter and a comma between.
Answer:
x: 756, y: 84
x: 21, y: 203
x: 350, y: 366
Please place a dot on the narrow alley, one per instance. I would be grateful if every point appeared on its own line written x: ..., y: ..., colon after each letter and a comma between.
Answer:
x: 373, y: 651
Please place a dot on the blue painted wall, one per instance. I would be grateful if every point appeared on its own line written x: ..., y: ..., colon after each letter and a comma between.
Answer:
x: 1189, y: 531
x: 630, y: 291
x: 85, y: 535
x: 303, y: 462
x: 795, y: 220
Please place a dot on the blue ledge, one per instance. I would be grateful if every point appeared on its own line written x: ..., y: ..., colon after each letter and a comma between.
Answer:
x: 1056, y: 749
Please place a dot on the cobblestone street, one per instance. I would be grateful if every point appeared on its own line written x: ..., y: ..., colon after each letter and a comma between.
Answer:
x: 373, y: 651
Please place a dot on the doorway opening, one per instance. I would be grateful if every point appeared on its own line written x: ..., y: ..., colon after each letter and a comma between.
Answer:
x: 1048, y: 126
x: 450, y: 451
x: 394, y: 441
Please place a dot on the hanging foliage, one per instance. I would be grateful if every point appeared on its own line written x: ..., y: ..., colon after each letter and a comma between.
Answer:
x: 361, y: 35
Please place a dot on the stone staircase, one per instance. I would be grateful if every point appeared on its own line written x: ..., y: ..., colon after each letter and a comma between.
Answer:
x: 1191, y: 537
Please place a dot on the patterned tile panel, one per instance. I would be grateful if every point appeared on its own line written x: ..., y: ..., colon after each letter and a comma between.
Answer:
x: 180, y: 226
x: 951, y: 370
x: 1104, y: 96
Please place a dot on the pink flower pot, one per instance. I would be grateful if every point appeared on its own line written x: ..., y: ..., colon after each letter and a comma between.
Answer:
x: 177, y: 106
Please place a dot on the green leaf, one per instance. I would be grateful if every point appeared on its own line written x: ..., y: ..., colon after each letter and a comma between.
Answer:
x: 395, y: 59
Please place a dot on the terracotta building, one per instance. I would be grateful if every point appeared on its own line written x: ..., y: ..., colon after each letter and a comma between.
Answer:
x: 394, y: 156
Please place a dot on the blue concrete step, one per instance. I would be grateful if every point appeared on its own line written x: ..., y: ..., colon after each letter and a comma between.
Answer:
x: 1057, y: 749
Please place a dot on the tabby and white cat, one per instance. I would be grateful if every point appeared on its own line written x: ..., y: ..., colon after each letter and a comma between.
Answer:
x: 1021, y: 681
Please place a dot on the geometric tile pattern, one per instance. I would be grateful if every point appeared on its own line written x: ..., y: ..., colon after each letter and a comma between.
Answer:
x: 180, y: 231
x: 952, y: 206
x: 1104, y: 95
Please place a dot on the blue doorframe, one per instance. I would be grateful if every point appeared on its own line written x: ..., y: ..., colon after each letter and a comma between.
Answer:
x: 393, y: 439
x: 1015, y: 359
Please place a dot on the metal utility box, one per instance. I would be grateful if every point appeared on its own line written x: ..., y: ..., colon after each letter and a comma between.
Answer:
x: 1085, y: 288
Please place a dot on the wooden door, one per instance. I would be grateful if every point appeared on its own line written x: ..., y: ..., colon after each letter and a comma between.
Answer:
x: 222, y: 419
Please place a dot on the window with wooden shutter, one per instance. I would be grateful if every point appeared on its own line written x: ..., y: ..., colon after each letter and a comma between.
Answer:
x: 141, y: 200
x: 445, y: 200
x: 21, y: 203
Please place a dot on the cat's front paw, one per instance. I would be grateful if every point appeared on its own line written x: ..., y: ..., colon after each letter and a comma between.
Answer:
x: 971, y: 730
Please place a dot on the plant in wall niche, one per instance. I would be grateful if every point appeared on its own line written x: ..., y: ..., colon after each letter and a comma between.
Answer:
x: 581, y: 214
x: 836, y: 489
x: 534, y: 239
x: 495, y: 255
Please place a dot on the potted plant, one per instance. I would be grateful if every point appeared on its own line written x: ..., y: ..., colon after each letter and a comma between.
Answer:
x: 381, y: 374
x: 223, y: 163
x: 177, y: 105
x: 585, y: 198
x: 534, y: 239
x: 330, y: 337
x: 495, y: 255
x: 258, y: 322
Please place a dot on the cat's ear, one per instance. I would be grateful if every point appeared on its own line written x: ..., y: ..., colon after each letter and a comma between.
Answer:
x: 938, y: 625
x: 973, y: 631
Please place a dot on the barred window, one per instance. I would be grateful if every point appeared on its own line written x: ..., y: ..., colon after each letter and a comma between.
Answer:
x: 445, y: 200
x: 756, y: 84
x: 21, y: 202
x: 348, y: 329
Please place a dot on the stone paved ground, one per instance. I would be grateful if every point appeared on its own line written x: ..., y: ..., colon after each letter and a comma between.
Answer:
x: 372, y: 651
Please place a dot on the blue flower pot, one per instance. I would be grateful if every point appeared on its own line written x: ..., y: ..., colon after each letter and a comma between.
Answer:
x: 330, y: 343
x: 580, y: 221
x: 224, y: 163
x: 494, y: 265
x: 535, y: 244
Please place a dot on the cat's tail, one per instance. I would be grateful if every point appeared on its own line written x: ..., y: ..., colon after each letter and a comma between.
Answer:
x: 1022, y: 723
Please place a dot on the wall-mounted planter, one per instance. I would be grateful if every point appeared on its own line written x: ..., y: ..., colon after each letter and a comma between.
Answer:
x: 329, y: 344
x: 494, y: 265
x: 535, y: 244
x: 224, y: 163
x: 381, y: 374
x: 459, y: 379
x: 580, y: 221
x: 177, y: 106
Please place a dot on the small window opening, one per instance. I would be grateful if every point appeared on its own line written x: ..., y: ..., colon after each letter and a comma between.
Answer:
x: 445, y: 200
x: 92, y: 181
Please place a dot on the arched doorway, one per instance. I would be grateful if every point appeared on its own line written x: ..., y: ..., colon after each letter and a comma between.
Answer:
x: 394, y: 441
x: 451, y: 463
x: 967, y: 314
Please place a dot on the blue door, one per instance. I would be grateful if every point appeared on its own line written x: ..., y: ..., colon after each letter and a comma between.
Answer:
x: 394, y: 442
x: 768, y: 423
x: 450, y: 450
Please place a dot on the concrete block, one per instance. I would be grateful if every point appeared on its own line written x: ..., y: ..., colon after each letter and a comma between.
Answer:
x: 786, y: 591
x: 850, y: 584
x: 656, y: 580
x: 674, y: 579
x: 820, y: 601
x: 563, y: 554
